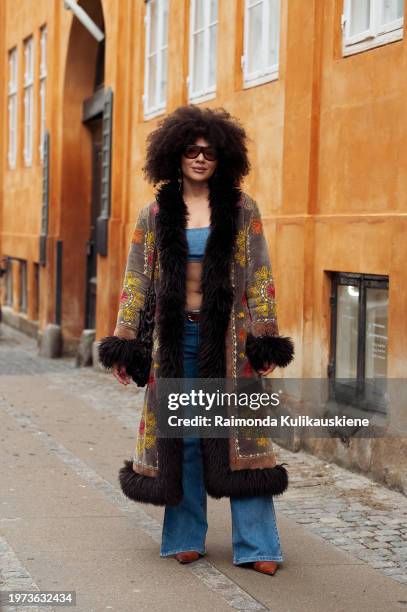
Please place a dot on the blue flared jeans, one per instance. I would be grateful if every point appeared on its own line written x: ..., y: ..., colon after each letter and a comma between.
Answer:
x: 254, y: 529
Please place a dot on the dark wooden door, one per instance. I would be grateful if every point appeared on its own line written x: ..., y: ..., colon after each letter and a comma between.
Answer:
x: 91, y: 251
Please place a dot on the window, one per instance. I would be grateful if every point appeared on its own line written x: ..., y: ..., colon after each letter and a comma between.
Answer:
x: 9, y: 282
x: 36, y: 293
x: 155, y: 80
x: 261, y: 41
x: 28, y: 99
x: 369, y: 23
x: 23, y: 286
x: 202, y: 50
x: 12, y: 108
x: 359, y: 336
x: 42, y: 88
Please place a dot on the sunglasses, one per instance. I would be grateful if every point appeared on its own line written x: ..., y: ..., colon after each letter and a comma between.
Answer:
x: 192, y: 151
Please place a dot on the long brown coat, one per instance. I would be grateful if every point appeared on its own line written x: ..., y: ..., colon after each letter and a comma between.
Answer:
x: 238, y: 335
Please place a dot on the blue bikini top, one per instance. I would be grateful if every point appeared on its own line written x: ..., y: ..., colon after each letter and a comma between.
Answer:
x: 197, y: 237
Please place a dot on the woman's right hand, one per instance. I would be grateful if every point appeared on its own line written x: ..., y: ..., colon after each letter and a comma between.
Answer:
x: 119, y: 372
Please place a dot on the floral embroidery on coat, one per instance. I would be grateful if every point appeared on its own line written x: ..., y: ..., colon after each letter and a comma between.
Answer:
x: 262, y: 442
x: 149, y: 255
x: 263, y: 293
x: 146, y: 433
x: 240, y: 252
x: 256, y: 226
x: 131, y: 298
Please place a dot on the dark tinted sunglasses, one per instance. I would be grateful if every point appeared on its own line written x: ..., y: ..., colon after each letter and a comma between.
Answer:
x: 192, y: 151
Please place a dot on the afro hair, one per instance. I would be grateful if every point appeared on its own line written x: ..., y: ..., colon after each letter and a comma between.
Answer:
x: 166, y: 143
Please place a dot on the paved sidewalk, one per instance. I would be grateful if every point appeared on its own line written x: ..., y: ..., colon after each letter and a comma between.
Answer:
x: 350, y: 511
x: 65, y: 524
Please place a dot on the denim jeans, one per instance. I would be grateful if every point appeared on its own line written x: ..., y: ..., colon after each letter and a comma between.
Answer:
x: 254, y: 529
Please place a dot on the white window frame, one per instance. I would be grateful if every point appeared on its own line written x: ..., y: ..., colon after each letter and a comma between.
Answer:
x: 12, y: 107
x: 158, y: 106
x: 266, y: 73
x: 207, y: 92
x: 42, y: 87
x: 375, y: 36
x: 28, y: 99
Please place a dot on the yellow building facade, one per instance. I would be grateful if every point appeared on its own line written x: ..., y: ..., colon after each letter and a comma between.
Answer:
x: 318, y: 87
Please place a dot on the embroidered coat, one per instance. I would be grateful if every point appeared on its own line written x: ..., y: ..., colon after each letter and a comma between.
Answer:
x: 238, y: 335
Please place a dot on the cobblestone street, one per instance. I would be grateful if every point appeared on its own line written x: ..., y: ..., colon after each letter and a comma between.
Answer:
x: 65, y: 432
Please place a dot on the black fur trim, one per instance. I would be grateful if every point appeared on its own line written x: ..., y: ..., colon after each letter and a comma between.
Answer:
x: 166, y: 488
x: 130, y: 353
x: 216, y: 283
x: 261, y: 350
x: 171, y: 221
x: 221, y: 481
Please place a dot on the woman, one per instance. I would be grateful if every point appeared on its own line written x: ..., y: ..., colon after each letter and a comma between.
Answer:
x: 215, y: 318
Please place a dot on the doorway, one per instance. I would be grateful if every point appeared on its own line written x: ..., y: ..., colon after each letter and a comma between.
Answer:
x: 95, y: 127
x: 81, y: 195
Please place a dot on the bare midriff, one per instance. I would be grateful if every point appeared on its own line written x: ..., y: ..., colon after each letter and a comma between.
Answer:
x: 193, y: 299
x: 193, y: 285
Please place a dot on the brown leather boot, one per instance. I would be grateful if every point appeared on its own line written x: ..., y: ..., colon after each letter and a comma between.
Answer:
x: 266, y: 567
x: 188, y: 556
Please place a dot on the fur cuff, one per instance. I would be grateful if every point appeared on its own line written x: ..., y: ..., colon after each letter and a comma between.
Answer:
x: 147, y: 489
x: 261, y: 350
x: 125, y: 352
x: 249, y: 483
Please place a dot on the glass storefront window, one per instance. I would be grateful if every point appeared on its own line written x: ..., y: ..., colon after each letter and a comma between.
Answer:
x: 9, y: 283
x: 23, y: 286
x: 359, y: 341
x: 347, y: 331
x: 377, y: 301
x: 359, y: 336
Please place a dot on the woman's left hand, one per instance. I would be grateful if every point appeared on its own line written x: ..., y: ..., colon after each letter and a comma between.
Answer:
x: 268, y: 368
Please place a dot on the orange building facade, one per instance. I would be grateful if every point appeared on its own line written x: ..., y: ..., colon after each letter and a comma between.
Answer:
x: 322, y: 99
